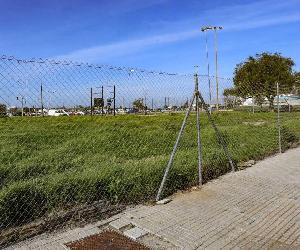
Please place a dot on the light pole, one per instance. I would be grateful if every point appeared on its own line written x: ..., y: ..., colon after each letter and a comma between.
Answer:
x: 102, y: 98
x: 113, y: 98
x: 216, y: 58
x: 91, y: 102
x: 205, y: 29
x: 42, y: 101
x: 21, y: 99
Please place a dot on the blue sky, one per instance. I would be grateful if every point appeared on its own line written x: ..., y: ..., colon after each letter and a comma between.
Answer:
x: 154, y: 34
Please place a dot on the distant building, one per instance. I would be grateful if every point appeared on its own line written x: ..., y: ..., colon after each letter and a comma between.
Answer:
x: 248, y: 102
x: 285, y: 99
x: 289, y: 99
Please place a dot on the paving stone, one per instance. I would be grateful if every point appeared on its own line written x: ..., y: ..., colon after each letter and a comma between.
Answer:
x: 120, y: 224
x: 135, y: 233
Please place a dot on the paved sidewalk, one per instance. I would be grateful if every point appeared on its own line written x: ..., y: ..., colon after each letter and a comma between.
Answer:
x: 257, y: 208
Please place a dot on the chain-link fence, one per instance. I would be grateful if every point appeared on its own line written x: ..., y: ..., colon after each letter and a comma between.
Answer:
x: 79, y: 142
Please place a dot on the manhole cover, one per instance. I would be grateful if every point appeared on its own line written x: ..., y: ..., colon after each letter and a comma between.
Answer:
x: 106, y: 240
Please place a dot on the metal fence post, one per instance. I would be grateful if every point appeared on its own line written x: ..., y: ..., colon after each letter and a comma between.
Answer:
x: 174, y: 150
x: 198, y: 131
x: 278, y: 119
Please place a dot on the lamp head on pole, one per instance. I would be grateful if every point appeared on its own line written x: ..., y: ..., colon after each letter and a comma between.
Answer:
x: 206, y: 28
x: 217, y: 27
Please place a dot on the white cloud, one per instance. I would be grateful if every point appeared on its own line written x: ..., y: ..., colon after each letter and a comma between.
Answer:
x: 233, y: 18
x: 265, y: 22
x: 126, y: 47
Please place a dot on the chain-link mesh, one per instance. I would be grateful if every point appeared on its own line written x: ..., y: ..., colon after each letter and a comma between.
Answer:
x: 80, y: 141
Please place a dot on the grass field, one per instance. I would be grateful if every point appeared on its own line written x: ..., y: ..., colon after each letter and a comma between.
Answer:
x: 48, y: 164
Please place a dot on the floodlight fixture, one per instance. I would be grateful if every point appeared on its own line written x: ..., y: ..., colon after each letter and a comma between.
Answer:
x: 206, y: 28
x: 217, y: 27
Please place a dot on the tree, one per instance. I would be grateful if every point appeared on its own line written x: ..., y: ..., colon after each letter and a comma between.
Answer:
x: 231, y: 98
x: 257, y: 77
x: 26, y: 109
x: 138, y: 104
x: 297, y: 83
x: 2, y: 109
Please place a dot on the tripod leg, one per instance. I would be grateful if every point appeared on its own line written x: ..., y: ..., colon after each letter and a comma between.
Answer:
x: 199, y: 142
x: 219, y: 135
x: 174, y: 150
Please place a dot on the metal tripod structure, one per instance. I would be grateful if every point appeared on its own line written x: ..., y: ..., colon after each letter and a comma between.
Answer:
x: 199, y: 100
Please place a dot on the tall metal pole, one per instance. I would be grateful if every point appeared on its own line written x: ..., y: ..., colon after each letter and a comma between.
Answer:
x: 42, y: 102
x: 91, y: 97
x: 216, y: 55
x: 278, y: 120
x: 145, y: 105
x: 102, y: 104
x: 22, y: 99
x: 208, y: 73
x: 198, y: 131
x: 162, y: 184
x: 114, y: 100
x: 152, y: 104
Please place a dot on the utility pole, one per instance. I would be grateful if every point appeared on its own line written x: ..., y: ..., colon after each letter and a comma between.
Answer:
x: 145, y: 105
x: 114, y: 100
x: 91, y: 97
x: 205, y: 29
x: 216, y: 58
x: 152, y: 104
x: 22, y: 104
x: 102, y: 104
x: 42, y: 102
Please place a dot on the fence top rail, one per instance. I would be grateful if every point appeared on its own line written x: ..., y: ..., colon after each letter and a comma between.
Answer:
x: 54, y: 61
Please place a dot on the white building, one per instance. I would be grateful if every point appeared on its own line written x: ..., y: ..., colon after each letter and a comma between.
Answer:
x: 285, y: 99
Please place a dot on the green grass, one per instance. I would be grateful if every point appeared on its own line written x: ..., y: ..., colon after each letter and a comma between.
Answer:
x: 49, y: 164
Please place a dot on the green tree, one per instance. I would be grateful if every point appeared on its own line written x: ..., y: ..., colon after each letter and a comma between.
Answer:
x: 26, y: 109
x: 297, y: 83
x: 2, y: 109
x: 257, y: 77
x: 138, y: 104
x: 231, y: 98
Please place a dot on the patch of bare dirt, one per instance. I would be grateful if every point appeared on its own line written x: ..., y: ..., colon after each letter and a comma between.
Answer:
x: 107, y: 240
